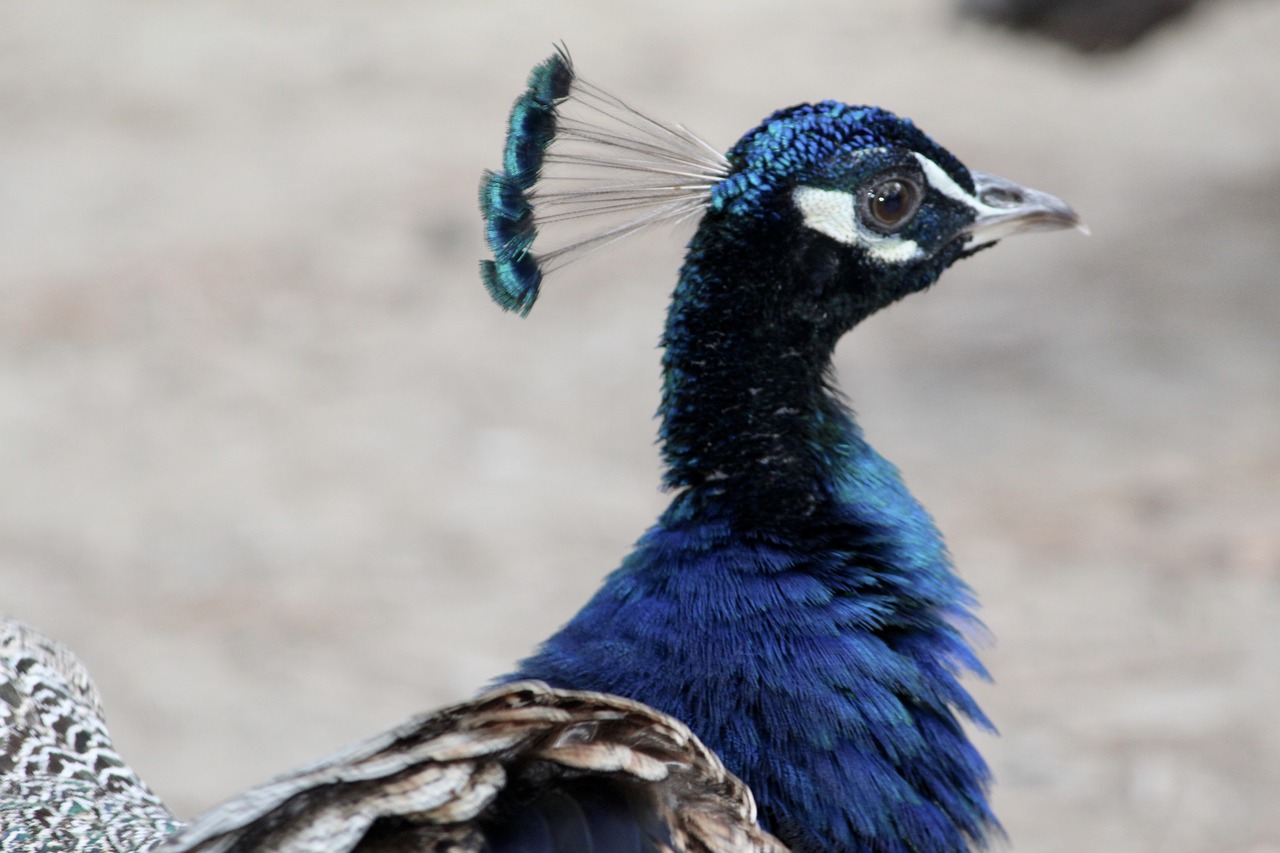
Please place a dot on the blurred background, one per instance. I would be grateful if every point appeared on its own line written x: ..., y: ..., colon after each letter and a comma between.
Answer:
x: 279, y: 472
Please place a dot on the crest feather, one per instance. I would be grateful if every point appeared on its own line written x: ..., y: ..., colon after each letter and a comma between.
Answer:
x: 582, y: 162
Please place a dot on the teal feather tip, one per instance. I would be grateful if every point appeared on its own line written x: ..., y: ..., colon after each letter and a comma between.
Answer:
x: 581, y: 169
x: 513, y: 276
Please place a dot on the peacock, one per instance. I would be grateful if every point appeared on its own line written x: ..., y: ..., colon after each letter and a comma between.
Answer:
x: 777, y: 663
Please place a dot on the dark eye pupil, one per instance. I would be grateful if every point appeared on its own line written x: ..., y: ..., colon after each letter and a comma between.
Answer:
x: 890, y: 202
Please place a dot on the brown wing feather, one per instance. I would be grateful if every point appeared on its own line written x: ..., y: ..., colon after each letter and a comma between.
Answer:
x: 429, y: 784
x: 439, y: 782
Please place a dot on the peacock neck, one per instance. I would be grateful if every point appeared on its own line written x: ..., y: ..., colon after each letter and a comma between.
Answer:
x: 749, y: 418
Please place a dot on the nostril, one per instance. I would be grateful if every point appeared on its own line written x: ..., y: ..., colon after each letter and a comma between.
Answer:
x: 1001, y: 197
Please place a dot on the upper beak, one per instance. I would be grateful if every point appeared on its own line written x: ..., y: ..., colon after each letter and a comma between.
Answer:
x: 1006, y: 208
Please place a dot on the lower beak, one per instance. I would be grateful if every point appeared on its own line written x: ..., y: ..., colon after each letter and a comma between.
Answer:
x: 1006, y: 208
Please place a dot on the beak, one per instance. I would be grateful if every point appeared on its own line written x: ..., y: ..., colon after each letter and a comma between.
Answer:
x: 1005, y: 208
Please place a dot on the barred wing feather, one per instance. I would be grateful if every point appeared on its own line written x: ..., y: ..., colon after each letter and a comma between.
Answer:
x: 525, y: 767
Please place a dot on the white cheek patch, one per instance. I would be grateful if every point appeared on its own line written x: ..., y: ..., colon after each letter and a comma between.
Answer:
x: 891, y: 250
x: 829, y: 212
x: 832, y: 212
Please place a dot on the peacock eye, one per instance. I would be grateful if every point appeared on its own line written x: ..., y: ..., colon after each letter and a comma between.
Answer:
x: 890, y: 204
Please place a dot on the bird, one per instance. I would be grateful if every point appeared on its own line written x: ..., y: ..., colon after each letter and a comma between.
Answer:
x: 794, y: 605
x: 777, y: 663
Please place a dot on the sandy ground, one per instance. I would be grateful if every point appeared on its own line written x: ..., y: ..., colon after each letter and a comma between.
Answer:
x: 279, y: 471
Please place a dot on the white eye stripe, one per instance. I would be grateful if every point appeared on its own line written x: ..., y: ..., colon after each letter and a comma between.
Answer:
x: 945, y: 184
x: 834, y: 213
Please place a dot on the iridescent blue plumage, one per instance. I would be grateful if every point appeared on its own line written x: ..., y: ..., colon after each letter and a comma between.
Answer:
x: 820, y: 662
x: 800, y: 142
x: 795, y: 605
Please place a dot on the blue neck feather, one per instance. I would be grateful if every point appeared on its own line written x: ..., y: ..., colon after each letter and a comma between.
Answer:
x: 794, y: 605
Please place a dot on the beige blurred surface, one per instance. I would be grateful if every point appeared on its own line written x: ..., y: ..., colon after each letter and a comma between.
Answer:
x: 282, y: 475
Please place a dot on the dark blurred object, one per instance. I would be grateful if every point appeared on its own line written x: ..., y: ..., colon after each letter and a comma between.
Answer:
x: 1090, y: 26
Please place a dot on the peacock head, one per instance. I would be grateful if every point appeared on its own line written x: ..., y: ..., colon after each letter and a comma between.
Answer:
x: 856, y: 197
x: 885, y: 207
